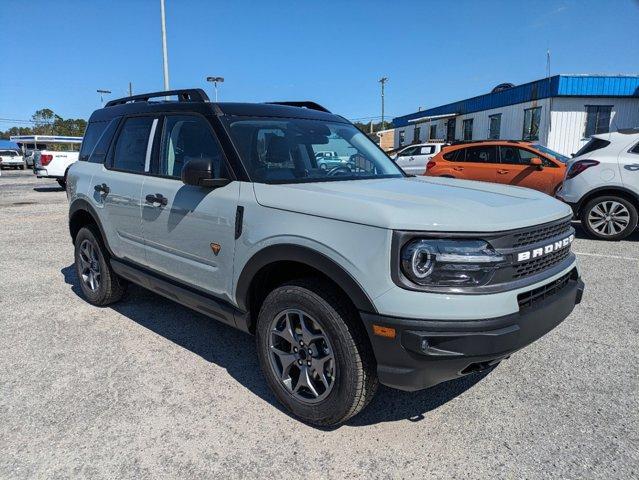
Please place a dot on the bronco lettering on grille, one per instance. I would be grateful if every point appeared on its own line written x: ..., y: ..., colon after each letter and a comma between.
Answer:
x: 541, y: 251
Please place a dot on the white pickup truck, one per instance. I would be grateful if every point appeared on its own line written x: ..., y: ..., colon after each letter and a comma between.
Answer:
x: 49, y: 163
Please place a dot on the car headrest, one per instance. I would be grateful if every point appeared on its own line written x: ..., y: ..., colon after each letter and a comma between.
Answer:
x: 277, y: 150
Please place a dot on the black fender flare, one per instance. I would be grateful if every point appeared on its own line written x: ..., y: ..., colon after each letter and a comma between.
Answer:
x: 611, y: 190
x: 307, y: 256
x: 82, y: 205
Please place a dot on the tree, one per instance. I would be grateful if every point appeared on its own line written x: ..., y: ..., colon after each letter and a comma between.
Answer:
x: 46, y: 122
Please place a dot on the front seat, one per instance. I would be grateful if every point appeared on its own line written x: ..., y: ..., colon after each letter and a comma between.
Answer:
x: 277, y: 153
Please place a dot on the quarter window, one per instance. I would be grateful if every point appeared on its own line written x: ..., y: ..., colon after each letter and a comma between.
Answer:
x: 532, y: 119
x: 495, y: 126
x: 186, y: 138
x: 635, y: 149
x: 597, y: 119
x: 132, y: 143
x: 91, y: 136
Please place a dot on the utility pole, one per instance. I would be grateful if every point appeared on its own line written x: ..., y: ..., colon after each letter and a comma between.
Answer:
x: 165, y: 55
x: 102, y: 93
x: 383, y: 81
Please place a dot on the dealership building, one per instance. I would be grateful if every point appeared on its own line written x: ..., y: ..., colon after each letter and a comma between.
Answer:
x: 561, y: 112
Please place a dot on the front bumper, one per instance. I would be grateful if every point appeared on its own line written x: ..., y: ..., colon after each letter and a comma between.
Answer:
x: 424, y: 353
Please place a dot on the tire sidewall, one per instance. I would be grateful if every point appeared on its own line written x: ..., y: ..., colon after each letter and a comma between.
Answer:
x: 340, y: 400
x: 629, y: 229
x: 95, y: 297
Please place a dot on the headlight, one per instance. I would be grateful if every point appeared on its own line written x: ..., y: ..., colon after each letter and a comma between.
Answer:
x: 449, y: 263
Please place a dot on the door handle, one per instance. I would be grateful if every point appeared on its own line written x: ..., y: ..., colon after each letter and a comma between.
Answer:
x: 102, y: 188
x: 157, y: 198
x: 502, y: 172
x: 411, y: 158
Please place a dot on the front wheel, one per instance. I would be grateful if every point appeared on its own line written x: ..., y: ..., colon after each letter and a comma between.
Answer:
x: 609, y: 217
x: 315, y: 357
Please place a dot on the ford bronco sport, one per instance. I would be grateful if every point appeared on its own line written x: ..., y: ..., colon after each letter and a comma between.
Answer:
x: 348, y: 276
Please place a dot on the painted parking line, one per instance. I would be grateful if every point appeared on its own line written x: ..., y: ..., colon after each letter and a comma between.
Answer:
x: 606, y: 256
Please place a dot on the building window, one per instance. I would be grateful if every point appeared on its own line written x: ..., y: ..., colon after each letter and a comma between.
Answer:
x: 450, y: 130
x: 416, y: 134
x: 495, y: 126
x: 468, y: 129
x: 433, y: 132
x: 597, y: 119
x: 532, y: 118
x: 402, y: 137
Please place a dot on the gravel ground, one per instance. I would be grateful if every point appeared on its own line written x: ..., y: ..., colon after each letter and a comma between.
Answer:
x: 149, y: 389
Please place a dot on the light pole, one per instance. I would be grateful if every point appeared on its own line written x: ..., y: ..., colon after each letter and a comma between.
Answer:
x: 165, y: 55
x: 102, y: 94
x: 383, y: 81
x: 215, y: 81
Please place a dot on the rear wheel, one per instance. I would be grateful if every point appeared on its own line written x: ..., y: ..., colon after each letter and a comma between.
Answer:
x: 315, y: 357
x: 99, y: 283
x: 609, y: 217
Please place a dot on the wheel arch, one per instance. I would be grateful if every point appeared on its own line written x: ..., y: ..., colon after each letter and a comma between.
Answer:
x: 288, y: 262
x: 602, y: 191
x: 82, y: 213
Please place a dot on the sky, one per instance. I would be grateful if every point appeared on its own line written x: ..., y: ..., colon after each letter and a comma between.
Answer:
x: 57, y: 53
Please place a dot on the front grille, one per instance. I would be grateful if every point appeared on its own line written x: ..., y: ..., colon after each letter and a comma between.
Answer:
x: 531, y: 298
x: 536, y: 265
x: 540, y: 234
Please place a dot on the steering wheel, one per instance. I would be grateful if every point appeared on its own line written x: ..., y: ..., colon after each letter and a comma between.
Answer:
x: 338, y: 170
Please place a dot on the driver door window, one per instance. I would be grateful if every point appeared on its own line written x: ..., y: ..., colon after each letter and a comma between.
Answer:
x: 185, y: 138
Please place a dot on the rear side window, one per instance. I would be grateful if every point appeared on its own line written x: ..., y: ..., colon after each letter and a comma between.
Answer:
x: 635, y: 149
x: 592, y: 145
x: 455, y: 155
x: 131, y: 145
x: 487, y: 154
x: 91, y: 136
x: 99, y: 153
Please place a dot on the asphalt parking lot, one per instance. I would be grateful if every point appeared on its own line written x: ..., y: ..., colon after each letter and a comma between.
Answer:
x: 148, y: 389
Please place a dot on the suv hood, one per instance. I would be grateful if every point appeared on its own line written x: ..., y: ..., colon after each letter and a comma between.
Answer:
x: 417, y: 203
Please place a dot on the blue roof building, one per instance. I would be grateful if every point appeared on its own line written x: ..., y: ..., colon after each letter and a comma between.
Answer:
x: 560, y: 112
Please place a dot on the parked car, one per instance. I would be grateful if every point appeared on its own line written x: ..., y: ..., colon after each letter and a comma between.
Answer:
x: 602, y: 184
x: 346, y: 277
x: 329, y: 159
x: 47, y: 162
x: 11, y: 159
x: 413, y: 159
x: 501, y: 161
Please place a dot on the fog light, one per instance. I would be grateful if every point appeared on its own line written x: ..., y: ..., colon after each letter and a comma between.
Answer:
x: 424, y: 344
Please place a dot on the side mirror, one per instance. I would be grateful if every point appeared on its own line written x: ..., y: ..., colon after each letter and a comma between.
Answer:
x: 536, y: 162
x: 199, y: 172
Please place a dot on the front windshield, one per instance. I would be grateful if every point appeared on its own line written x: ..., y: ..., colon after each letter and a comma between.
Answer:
x: 552, y: 153
x: 293, y: 150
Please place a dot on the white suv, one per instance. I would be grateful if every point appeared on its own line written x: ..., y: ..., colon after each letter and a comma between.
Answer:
x: 413, y: 159
x: 602, y: 184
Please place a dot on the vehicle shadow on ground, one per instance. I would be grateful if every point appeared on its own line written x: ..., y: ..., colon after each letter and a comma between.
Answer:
x: 51, y: 188
x: 234, y: 351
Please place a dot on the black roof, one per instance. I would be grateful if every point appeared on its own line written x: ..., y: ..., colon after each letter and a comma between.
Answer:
x: 196, y: 100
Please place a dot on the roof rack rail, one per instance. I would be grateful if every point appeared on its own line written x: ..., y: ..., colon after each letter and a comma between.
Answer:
x: 186, y: 95
x: 305, y: 104
x: 461, y: 142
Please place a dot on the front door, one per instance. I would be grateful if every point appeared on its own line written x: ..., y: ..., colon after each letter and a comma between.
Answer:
x: 407, y: 160
x: 477, y: 163
x: 116, y: 188
x: 190, y: 231
x: 515, y: 169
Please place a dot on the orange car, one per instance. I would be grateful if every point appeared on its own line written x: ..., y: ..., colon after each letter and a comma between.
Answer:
x: 501, y: 161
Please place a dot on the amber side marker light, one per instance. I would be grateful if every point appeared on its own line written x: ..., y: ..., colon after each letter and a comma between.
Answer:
x: 380, y: 331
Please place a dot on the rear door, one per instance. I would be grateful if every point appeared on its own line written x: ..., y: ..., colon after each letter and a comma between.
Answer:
x: 515, y: 169
x: 477, y: 163
x: 629, y: 167
x: 190, y: 231
x: 117, y: 186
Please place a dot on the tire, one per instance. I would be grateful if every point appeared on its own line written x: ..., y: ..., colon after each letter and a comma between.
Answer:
x: 62, y: 182
x: 107, y: 287
x: 21, y: 167
x: 353, y: 381
x: 598, y: 210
